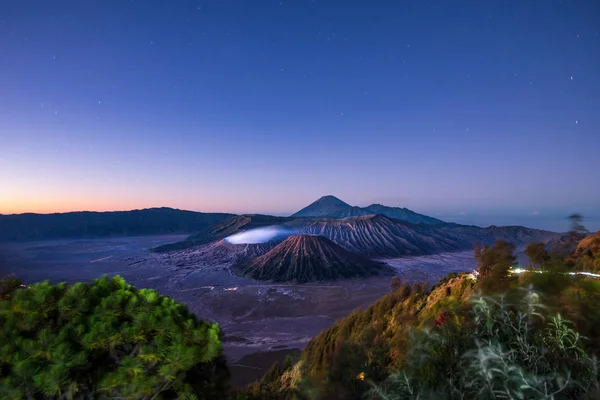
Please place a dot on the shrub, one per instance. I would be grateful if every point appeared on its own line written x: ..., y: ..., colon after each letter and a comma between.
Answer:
x: 8, y: 285
x: 506, y: 350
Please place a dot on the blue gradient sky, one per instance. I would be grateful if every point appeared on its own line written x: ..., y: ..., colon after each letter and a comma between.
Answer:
x: 451, y: 108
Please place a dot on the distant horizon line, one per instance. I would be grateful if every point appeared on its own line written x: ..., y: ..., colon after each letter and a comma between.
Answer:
x: 460, y: 215
x: 288, y: 214
x: 554, y: 222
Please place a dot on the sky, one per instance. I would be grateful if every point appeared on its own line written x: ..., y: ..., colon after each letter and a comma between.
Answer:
x: 466, y: 110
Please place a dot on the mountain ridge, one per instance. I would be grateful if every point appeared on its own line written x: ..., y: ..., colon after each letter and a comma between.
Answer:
x: 94, y: 224
x: 332, y: 207
x: 372, y: 235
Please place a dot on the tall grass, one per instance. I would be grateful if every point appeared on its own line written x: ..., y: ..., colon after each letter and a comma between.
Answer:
x: 498, y: 350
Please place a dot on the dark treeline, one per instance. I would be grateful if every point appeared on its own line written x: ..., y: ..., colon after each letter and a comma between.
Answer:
x: 30, y: 227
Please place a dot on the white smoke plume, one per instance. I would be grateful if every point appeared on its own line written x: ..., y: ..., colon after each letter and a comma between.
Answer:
x: 259, y: 235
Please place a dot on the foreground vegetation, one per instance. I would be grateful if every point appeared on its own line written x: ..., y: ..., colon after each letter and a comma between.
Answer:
x: 104, y: 340
x: 500, y: 351
x: 492, y: 334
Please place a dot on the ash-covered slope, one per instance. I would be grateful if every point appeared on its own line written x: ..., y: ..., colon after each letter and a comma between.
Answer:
x: 228, y: 227
x: 372, y: 235
x: 308, y: 258
x: 222, y: 253
x: 332, y: 207
x: 380, y: 236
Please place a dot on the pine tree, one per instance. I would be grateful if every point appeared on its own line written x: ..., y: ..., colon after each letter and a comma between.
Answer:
x: 106, y: 339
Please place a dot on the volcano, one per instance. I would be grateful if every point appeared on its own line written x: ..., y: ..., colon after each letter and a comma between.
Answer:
x: 329, y: 206
x: 308, y: 258
x: 332, y: 207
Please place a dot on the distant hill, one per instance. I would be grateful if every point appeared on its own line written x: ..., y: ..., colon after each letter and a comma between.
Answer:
x: 332, y: 207
x: 518, y: 235
x: 329, y: 206
x: 308, y: 258
x: 403, y: 214
x: 151, y: 221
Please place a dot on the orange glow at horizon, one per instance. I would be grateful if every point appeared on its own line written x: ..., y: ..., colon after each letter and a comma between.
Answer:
x: 50, y: 205
x: 50, y: 195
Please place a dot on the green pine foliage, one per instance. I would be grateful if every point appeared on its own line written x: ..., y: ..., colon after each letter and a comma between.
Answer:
x: 106, y: 340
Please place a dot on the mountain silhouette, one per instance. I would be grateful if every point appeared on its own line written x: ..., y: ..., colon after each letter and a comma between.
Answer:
x: 332, y: 207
